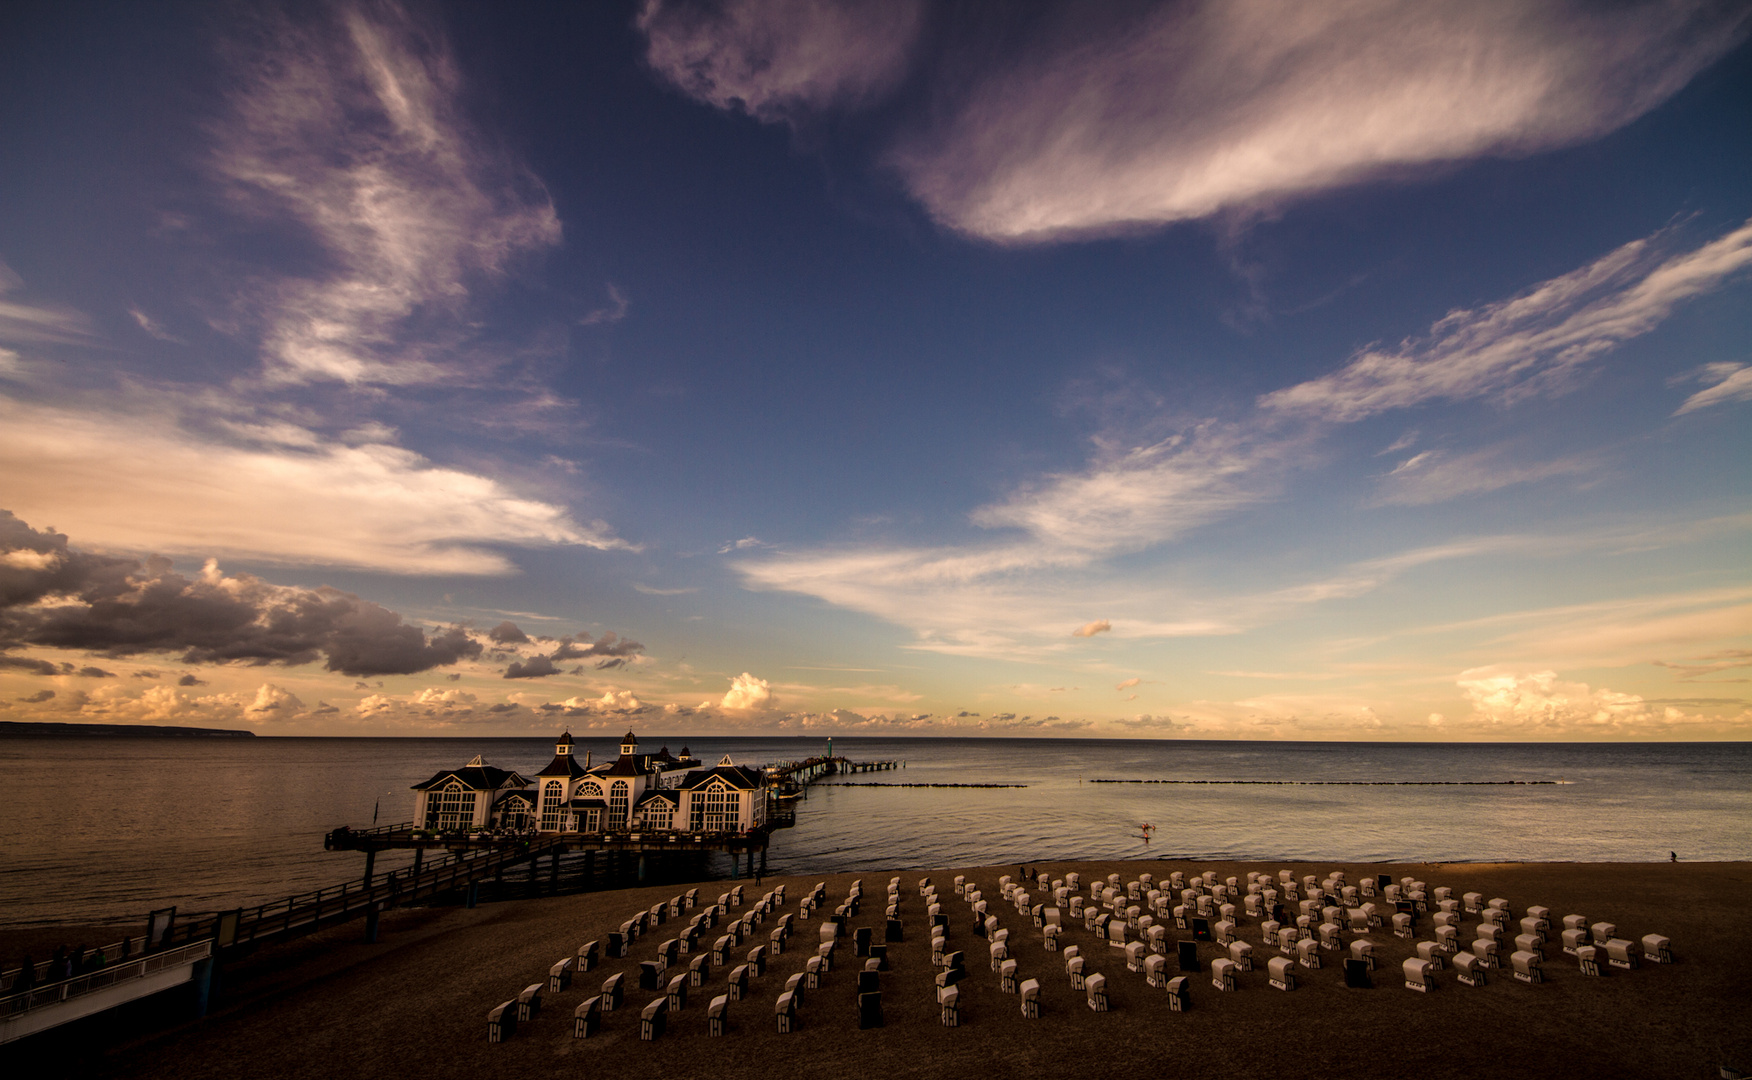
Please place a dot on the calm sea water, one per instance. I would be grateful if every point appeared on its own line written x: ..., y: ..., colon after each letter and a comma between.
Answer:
x: 108, y: 828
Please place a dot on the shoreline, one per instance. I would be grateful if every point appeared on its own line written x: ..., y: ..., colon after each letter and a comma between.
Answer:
x: 417, y: 1002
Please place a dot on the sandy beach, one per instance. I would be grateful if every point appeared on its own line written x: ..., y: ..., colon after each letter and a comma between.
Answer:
x: 415, y: 1004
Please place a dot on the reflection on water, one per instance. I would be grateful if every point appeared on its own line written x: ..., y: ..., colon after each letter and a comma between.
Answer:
x: 106, y: 828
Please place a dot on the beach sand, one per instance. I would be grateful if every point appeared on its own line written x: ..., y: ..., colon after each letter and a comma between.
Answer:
x: 415, y: 1004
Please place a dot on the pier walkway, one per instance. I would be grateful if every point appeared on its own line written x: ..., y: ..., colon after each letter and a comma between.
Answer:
x: 188, y: 945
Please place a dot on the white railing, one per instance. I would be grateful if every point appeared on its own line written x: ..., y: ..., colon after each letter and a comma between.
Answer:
x: 53, y: 993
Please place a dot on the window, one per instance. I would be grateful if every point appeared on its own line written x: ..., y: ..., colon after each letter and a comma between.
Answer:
x: 449, y: 808
x: 514, y: 814
x: 553, y: 798
x: 590, y: 790
x: 619, y: 802
x: 715, y: 808
x: 659, y: 814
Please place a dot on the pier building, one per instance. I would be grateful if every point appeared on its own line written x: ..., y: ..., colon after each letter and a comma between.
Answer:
x: 632, y: 793
x: 636, y: 792
x: 476, y: 796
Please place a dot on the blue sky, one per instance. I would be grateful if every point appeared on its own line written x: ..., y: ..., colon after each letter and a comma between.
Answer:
x: 1247, y: 370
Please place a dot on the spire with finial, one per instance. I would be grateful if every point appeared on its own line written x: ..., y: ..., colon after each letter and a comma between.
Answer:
x: 629, y: 744
x: 563, y: 748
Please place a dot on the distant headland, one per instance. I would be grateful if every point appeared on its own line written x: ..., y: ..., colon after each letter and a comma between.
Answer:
x: 151, y: 731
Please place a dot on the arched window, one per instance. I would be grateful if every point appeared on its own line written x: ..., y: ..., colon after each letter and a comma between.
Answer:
x: 619, y: 802
x: 658, y: 814
x: 590, y: 790
x: 715, y: 808
x: 450, y: 807
x: 553, y: 798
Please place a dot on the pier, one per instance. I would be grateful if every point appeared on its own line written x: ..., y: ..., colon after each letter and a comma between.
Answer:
x: 188, y: 947
x: 800, y: 774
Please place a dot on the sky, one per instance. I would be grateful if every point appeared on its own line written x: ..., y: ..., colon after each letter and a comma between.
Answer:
x: 1248, y: 370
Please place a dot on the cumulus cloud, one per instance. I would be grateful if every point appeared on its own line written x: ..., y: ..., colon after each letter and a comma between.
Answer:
x: 271, y: 700
x: 123, y: 607
x: 1539, y: 702
x: 1145, y: 722
x: 434, y: 696
x: 347, y: 126
x: 39, y: 697
x: 536, y: 667
x: 507, y: 633
x: 1135, y: 116
x: 748, y: 692
x: 1724, y: 383
x: 1520, y: 346
x: 780, y: 59
x: 611, y: 703
x: 191, y: 680
x: 108, y: 477
x: 611, y: 651
x: 1090, y: 629
x: 608, y: 652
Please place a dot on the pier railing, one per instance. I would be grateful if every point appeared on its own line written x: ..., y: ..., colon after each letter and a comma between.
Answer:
x: 40, y: 996
x: 295, y: 914
x: 374, y: 833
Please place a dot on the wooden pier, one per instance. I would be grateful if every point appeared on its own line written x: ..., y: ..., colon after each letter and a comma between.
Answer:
x: 790, y: 778
x: 744, y: 848
x: 190, y: 946
x: 140, y: 966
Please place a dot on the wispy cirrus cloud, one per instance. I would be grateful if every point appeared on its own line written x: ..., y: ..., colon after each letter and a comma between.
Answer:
x: 1618, y: 631
x: 1185, y: 110
x: 779, y: 59
x: 1520, y: 346
x: 1132, y: 496
x: 1726, y: 382
x: 288, y: 495
x: 41, y: 323
x: 1056, y: 537
x: 1710, y: 664
x: 346, y: 128
x: 1112, y: 117
x: 1433, y: 477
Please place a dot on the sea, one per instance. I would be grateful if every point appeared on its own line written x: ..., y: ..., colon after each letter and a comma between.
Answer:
x: 104, y: 829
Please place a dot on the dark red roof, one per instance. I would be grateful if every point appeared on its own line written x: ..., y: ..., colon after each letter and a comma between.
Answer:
x: 563, y: 765
x: 478, y: 777
x: 738, y: 776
